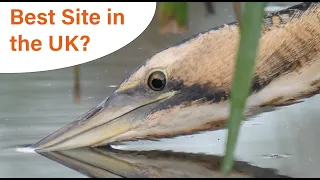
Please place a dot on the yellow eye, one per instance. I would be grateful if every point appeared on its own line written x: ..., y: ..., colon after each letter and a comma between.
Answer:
x: 157, y: 81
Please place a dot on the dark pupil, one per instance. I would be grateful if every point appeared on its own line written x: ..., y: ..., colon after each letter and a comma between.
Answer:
x: 157, y: 83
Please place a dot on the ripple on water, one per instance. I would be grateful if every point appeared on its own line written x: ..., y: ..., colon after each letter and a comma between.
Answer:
x: 16, y: 150
x: 25, y: 150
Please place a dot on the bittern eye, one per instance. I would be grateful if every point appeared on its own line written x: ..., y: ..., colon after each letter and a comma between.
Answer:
x: 157, y: 81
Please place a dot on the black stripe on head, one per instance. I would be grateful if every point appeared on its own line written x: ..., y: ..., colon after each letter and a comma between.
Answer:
x: 206, y: 93
x: 187, y: 94
x: 257, y: 84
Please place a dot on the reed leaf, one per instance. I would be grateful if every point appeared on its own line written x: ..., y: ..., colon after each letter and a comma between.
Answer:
x: 250, y: 30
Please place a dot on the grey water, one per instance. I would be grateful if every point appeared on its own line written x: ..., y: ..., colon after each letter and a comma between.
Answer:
x: 33, y: 105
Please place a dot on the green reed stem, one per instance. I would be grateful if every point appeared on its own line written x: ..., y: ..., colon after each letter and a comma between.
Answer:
x: 250, y: 26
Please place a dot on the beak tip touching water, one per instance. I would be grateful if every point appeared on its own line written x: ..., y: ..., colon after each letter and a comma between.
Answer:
x: 96, y: 126
x: 102, y: 125
x: 162, y: 99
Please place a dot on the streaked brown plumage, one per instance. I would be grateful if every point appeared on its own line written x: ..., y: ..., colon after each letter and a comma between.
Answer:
x: 199, y: 73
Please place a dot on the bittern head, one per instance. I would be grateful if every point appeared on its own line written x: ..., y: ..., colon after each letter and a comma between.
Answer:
x: 185, y: 89
x: 171, y: 94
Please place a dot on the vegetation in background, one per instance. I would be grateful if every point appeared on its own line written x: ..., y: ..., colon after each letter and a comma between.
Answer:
x: 237, y: 11
x: 210, y: 7
x: 250, y: 29
x: 173, y: 16
x: 76, y: 85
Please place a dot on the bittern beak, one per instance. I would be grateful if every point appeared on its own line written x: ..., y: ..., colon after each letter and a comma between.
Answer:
x: 117, y: 114
x: 186, y: 88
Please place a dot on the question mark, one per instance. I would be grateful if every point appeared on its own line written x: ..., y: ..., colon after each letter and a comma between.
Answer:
x: 85, y: 43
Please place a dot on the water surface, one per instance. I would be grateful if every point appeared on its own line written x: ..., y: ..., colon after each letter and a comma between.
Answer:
x: 35, y: 104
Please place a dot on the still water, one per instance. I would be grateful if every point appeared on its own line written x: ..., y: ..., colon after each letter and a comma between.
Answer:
x: 35, y: 104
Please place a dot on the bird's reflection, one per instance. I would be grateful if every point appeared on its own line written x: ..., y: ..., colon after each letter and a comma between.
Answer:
x: 111, y: 163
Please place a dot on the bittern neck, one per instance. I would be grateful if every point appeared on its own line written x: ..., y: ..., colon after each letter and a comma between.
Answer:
x: 289, y: 47
x: 289, y: 43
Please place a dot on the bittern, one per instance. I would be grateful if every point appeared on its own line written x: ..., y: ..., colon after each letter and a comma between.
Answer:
x: 113, y: 163
x: 185, y: 88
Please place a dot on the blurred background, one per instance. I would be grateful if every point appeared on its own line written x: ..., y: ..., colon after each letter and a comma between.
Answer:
x: 33, y: 105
